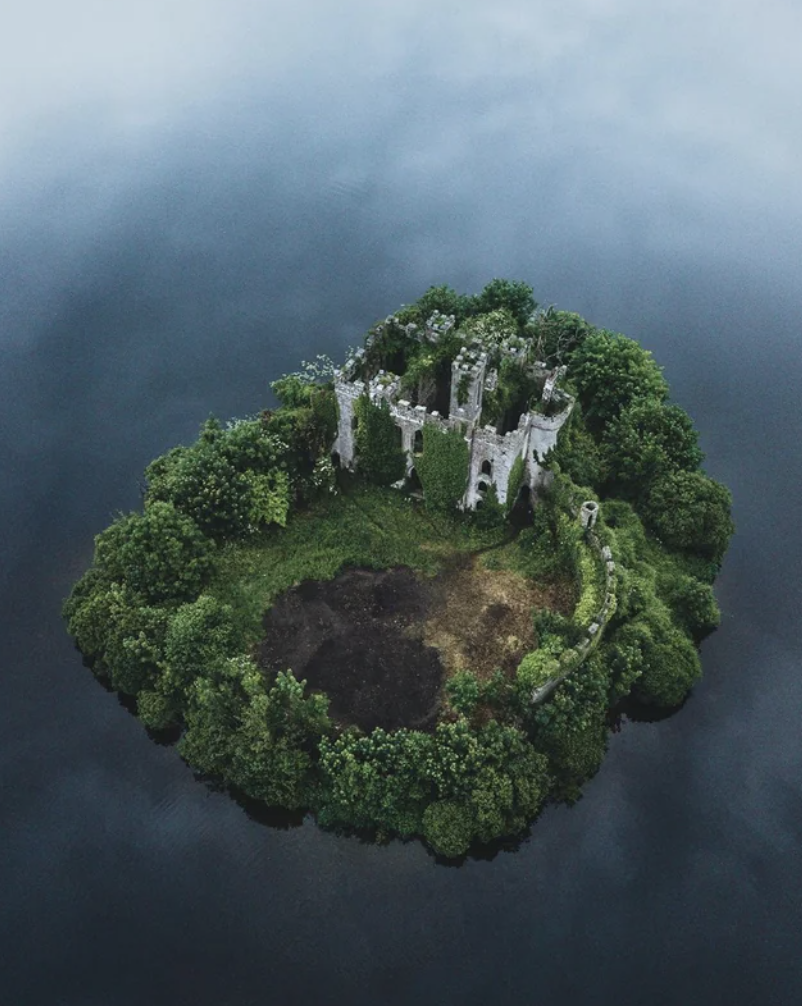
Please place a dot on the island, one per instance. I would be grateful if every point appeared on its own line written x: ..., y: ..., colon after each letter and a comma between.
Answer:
x: 414, y: 598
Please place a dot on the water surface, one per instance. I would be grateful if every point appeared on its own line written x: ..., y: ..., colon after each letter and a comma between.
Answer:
x: 191, y: 205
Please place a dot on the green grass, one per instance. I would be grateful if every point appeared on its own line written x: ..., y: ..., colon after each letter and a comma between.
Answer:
x: 362, y: 526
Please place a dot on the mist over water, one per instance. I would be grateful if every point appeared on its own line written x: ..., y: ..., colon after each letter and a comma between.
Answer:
x: 195, y: 197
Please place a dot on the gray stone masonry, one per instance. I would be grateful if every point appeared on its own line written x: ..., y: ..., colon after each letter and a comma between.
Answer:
x: 491, y: 453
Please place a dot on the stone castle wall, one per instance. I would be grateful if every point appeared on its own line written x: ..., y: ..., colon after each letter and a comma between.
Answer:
x: 491, y: 454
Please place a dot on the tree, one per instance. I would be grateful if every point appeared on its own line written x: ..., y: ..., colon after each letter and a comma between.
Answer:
x: 570, y: 727
x: 646, y: 441
x: 494, y: 774
x: 376, y: 780
x: 202, y: 483
x: 670, y: 666
x: 199, y: 638
x: 556, y: 335
x: 689, y: 510
x: 229, y: 481
x: 611, y: 372
x: 440, y: 299
x: 515, y: 296
x: 134, y: 650
x: 448, y: 827
x: 259, y: 739
x: 161, y: 554
x: 577, y: 453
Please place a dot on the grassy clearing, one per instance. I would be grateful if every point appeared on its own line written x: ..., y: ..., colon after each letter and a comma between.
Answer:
x: 361, y: 526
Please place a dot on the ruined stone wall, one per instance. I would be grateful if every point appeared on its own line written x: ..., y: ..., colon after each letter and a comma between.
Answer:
x: 535, y: 435
x: 573, y: 658
x: 411, y: 419
x: 499, y: 451
x: 346, y: 393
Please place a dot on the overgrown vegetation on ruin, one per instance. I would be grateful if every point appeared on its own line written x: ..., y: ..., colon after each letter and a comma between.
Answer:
x: 173, y: 609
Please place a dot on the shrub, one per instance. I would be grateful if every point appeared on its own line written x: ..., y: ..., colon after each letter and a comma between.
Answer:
x: 463, y: 690
x: 535, y: 670
x: 490, y: 329
x: 591, y: 587
x: 514, y: 483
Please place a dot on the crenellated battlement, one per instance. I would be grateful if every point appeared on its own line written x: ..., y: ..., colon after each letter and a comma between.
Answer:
x: 492, y: 453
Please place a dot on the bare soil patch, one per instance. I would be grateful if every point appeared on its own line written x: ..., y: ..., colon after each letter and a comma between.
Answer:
x: 481, y: 619
x: 379, y: 643
x: 358, y: 639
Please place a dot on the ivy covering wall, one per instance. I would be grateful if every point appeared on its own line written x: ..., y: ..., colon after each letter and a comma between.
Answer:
x: 443, y: 467
x: 379, y: 454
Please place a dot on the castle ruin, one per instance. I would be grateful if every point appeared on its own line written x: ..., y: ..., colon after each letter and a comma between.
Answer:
x: 493, y: 448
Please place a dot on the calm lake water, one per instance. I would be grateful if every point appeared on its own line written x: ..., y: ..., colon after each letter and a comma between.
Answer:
x: 209, y: 201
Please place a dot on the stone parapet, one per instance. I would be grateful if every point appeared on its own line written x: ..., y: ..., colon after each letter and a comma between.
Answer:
x: 571, y: 659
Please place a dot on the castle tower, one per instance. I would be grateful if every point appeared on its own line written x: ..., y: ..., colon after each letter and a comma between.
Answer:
x: 467, y: 384
x: 347, y: 394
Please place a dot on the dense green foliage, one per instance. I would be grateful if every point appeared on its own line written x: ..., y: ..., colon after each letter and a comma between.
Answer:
x: 646, y: 441
x: 378, y: 443
x: 230, y: 481
x: 443, y: 467
x: 689, y: 510
x: 556, y: 335
x: 511, y: 295
x: 160, y: 554
x: 172, y: 606
x: 611, y: 373
x: 455, y: 786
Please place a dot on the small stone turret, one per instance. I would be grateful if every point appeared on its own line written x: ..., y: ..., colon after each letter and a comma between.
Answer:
x: 588, y: 514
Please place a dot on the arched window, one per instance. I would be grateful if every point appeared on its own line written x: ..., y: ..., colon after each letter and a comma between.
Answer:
x: 417, y: 447
x: 487, y: 468
x: 482, y: 487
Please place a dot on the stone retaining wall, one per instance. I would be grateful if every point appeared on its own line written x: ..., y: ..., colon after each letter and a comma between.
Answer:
x: 573, y: 658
